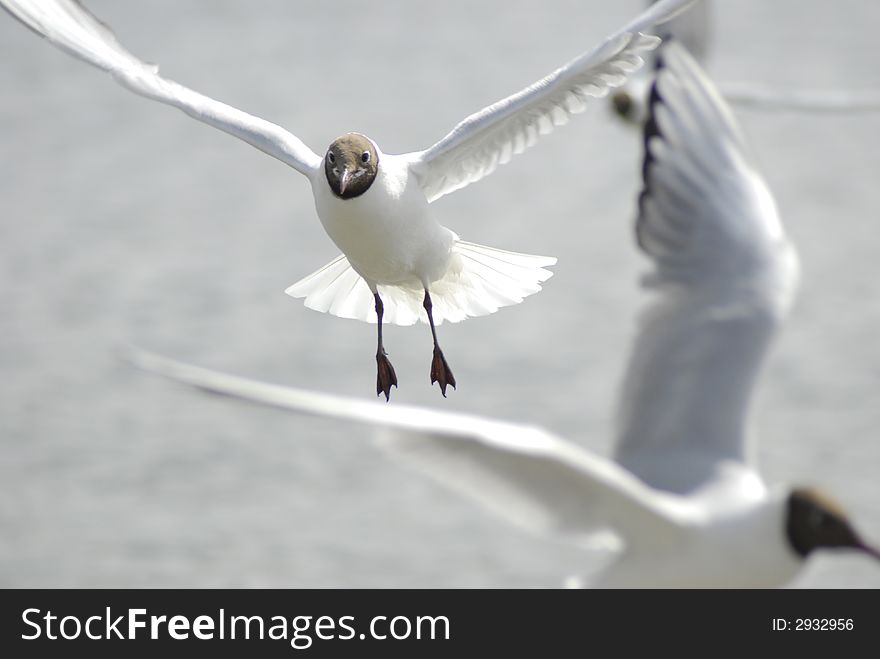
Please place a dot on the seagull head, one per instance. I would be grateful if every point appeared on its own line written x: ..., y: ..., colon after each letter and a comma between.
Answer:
x: 630, y: 102
x: 623, y: 104
x: 351, y: 164
x: 815, y: 521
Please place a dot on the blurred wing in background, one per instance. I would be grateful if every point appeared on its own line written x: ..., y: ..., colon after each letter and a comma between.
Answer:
x: 523, y: 474
x: 692, y: 28
x: 783, y: 99
x: 68, y: 25
x: 724, y: 276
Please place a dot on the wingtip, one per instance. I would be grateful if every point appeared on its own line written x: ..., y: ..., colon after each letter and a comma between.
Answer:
x: 151, y: 362
x: 650, y: 130
x: 658, y: 13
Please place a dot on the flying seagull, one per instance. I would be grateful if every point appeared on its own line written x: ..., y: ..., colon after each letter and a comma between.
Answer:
x: 694, y: 29
x: 399, y: 265
x: 682, y: 495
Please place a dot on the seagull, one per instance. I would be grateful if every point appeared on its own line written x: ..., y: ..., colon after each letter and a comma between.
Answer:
x: 399, y: 265
x: 682, y: 497
x: 693, y: 29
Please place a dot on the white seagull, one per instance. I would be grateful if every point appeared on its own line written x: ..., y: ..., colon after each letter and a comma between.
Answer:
x: 683, y: 495
x: 399, y: 265
x: 694, y: 29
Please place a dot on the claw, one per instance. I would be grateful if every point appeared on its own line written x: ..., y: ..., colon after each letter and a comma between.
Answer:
x: 385, y: 375
x: 440, y: 371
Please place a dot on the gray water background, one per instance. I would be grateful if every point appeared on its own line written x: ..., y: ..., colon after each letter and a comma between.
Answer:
x: 125, y: 222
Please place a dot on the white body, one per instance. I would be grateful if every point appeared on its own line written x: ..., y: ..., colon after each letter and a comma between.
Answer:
x: 387, y: 233
x: 717, y: 545
x: 392, y: 245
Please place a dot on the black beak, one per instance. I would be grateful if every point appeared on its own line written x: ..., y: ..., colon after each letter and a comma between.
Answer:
x: 868, y: 549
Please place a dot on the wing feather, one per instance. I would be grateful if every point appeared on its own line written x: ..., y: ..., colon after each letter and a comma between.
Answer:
x: 492, y: 136
x: 524, y: 474
x: 724, y: 276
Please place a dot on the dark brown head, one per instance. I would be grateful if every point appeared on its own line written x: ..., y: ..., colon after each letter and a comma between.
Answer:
x: 814, y: 521
x: 351, y: 165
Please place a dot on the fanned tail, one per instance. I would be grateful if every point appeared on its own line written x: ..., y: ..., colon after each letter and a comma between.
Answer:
x: 479, y: 281
x: 336, y: 289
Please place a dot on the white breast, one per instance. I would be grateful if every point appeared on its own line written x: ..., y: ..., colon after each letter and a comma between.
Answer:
x: 387, y: 233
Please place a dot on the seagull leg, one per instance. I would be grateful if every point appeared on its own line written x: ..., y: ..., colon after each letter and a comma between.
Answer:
x: 385, y: 375
x: 440, y: 371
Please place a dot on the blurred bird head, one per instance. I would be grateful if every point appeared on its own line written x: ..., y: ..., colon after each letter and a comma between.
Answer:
x: 815, y: 521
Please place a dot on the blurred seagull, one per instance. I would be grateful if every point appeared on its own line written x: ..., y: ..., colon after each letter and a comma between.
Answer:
x: 683, y: 494
x: 693, y: 28
x: 399, y: 265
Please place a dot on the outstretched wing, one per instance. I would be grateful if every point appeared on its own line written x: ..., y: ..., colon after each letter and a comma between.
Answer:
x: 492, y: 136
x: 782, y: 99
x: 68, y: 25
x: 724, y: 275
x: 524, y: 474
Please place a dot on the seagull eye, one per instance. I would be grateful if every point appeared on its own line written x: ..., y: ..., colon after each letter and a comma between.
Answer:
x: 365, y: 156
x: 331, y: 157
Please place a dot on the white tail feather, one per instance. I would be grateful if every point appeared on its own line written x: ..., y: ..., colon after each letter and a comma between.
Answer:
x: 479, y: 281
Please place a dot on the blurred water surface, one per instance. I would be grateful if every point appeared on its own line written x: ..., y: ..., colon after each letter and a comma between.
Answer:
x: 123, y: 221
